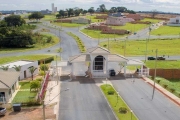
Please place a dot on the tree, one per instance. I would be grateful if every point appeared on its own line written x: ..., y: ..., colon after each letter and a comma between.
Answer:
x: 3, y: 23
x: 77, y: 11
x: 5, y: 68
x: 70, y: 12
x: 36, y: 15
x: 14, y: 20
x: 121, y: 9
x: 17, y: 68
x: 91, y: 10
x: 84, y: 12
x: 102, y: 8
x: 34, y: 85
x: 154, y: 13
x: 113, y: 10
x: 32, y: 69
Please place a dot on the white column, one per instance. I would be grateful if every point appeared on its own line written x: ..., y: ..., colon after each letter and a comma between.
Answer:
x: 141, y: 69
x: 125, y: 69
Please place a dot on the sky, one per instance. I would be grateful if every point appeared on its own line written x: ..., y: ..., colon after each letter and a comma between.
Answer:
x: 136, y: 5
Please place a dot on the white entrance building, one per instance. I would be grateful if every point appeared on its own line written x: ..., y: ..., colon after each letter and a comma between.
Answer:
x: 96, y: 63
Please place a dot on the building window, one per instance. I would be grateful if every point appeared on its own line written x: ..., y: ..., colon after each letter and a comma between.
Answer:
x: 98, y: 63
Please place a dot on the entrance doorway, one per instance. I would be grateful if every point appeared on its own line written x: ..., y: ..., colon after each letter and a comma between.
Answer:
x: 25, y: 74
x: 2, y: 96
x: 98, y: 63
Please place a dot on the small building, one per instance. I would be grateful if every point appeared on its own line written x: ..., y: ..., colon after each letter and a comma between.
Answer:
x: 24, y: 72
x: 136, y: 17
x: 8, y: 85
x: 174, y: 21
x: 115, y: 14
x: 118, y: 20
x: 45, y: 12
x: 81, y: 21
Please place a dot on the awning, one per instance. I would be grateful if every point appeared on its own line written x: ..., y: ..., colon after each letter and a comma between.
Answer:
x: 135, y: 62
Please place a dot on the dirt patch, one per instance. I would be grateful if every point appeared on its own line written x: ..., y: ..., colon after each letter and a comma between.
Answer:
x: 30, y: 114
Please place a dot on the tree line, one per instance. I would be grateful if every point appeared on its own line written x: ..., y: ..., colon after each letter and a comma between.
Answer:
x: 102, y: 8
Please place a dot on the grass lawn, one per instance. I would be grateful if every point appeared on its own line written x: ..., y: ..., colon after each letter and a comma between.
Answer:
x: 151, y: 20
x: 112, y: 99
x: 131, y: 27
x: 37, y: 46
x: 25, y: 85
x: 68, y: 24
x: 93, y: 20
x: 138, y: 47
x: 24, y: 96
x: 49, y: 17
x: 166, y: 30
x: 163, y: 64
x: 97, y: 34
x: 4, y: 60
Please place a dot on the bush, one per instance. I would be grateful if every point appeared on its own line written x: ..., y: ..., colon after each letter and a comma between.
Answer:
x: 105, y: 45
x: 123, y: 110
x: 41, y: 73
x: 158, y: 81
x: 39, y: 79
x: 165, y: 86
x: 43, y: 67
x: 172, y: 90
x: 35, y: 85
x: 111, y: 92
x: 46, y: 60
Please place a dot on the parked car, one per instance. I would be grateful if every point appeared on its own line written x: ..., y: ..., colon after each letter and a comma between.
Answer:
x: 160, y: 58
x: 112, y: 72
x: 2, y: 111
x: 151, y: 58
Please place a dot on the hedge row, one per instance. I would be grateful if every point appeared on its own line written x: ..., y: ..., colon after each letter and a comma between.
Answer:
x: 46, y: 60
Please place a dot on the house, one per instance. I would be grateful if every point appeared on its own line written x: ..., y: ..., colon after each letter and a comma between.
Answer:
x: 81, y: 21
x: 115, y: 14
x: 8, y: 85
x: 118, y: 20
x: 97, y: 62
x: 174, y: 21
x: 24, y: 72
x: 136, y: 17
x: 45, y: 12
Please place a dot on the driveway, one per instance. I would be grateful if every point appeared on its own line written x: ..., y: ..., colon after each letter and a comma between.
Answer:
x: 83, y: 101
x: 138, y: 96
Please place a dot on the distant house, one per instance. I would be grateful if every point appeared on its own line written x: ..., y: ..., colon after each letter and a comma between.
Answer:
x: 24, y: 72
x: 8, y: 85
x: 118, y: 20
x: 81, y: 21
x: 174, y: 21
x: 136, y: 17
x: 115, y: 14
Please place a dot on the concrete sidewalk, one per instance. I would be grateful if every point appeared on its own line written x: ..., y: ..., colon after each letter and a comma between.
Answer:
x: 52, y: 95
x: 163, y: 90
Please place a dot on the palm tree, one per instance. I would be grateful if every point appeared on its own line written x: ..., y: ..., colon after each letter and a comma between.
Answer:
x: 17, y: 68
x: 32, y: 69
x: 5, y: 68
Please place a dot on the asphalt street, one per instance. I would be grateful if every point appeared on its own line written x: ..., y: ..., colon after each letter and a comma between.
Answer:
x: 83, y: 101
x: 138, y: 96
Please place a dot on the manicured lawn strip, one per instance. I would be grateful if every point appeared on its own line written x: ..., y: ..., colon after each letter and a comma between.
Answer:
x: 24, y: 96
x: 98, y: 34
x: 49, y: 17
x: 163, y: 64
x: 151, y: 20
x: 68, y: 24
x: 112, y: 99
x: 93, y: 20
x: 25, y: 85
x: 78, y: 41
x: 166, y: 30
x: 4, y: 60
x: 139, y: 47
x: 37, y: 46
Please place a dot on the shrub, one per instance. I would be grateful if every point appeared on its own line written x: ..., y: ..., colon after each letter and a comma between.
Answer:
x: 39, y: 79
x: 41, y: 73
x: 123, y: 110
x: 158, y: 81
x: 172, y: 90
x: 165, y: 86
x: 111, y: 92
x: 105, y: 45
x: 43, y: 67
x: 35, y: 85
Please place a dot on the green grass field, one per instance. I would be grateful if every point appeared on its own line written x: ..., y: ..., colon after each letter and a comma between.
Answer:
x: 4, y: 60
x: 134, y: 48
x: 166, y: 30
x: 98, y: 34
x: 163, y: 64
x: 93, y: 20
x: 68, y: 24
x: 49, y: 17
x: 151, y: 20
x: 37, y: 46
x: 25, y: 85
x: 112, y: 99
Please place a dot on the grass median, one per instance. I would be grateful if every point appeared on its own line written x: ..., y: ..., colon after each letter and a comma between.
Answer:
x: 118, y: 105
x: 166, y: 30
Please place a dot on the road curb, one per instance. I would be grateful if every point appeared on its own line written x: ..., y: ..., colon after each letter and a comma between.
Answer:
x: 163, y: 93
x: 86, y: 34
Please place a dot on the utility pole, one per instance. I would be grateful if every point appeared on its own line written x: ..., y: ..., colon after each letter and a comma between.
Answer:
x: 146, y: 51
x: 125, y: 46
x: 154, y: 74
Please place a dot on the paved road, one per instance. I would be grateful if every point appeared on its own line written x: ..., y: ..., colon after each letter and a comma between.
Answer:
x: 138, y: 96
x: 83, y: 101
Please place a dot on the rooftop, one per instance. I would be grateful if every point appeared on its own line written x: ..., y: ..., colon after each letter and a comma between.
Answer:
x: 18, y: 63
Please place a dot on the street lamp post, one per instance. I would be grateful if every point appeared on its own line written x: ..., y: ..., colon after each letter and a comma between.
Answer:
x: 125, y: 46
x: 117, y: 98
x: 154, y: 75
x: 131, y: 113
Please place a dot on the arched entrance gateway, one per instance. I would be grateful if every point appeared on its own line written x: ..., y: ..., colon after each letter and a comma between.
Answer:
x: 98, y: 63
